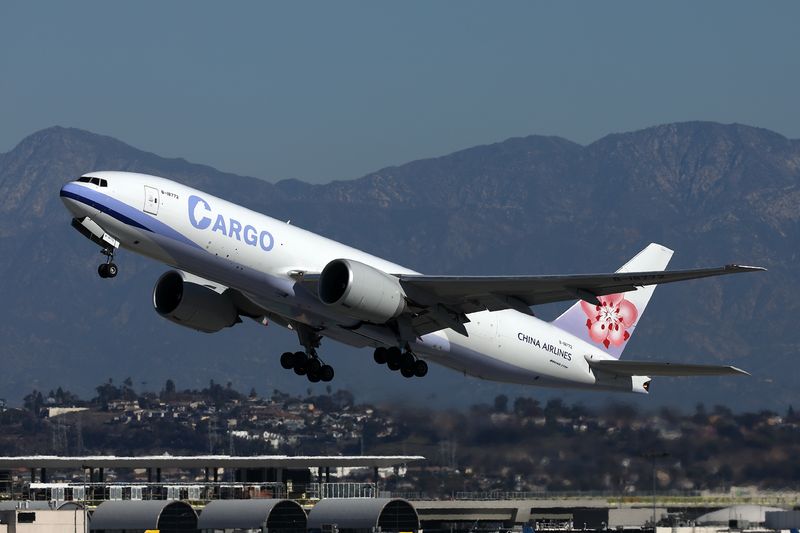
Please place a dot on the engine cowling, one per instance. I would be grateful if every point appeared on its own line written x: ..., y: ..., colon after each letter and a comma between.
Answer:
x: 361, y: 291
x: 192, y: 305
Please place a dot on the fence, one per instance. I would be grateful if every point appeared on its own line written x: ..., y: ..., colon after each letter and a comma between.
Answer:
x: 342, y: 490
x: 96, y: 492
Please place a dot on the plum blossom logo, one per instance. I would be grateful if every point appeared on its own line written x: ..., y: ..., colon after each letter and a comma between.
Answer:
x: 608, y: 322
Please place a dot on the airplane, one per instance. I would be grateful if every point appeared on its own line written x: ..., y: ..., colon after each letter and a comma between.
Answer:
x: 229, y: 262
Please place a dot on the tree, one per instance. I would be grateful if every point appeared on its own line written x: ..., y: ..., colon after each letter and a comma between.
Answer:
x: 64, y: 397
x: 107, y: 393
x: 343, y: 398
x: 553, y: 409
x: 33, y: 401
x: 169, y: 387
x: 501, y: 403
x: 527, y: 407
x: 700, y: 416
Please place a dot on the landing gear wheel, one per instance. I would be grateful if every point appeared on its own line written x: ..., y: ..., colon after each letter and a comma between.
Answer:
x: 381, y: 355
x: 108, y: 269
x: 300, y: 363
x: 313, y: 376
x: 420, y: 368
x: 287, y: 360
x: 326, y: 373
x: 393, y: 358
x: 407, y: 372
x: 313, y: 366
x: 407, y: 360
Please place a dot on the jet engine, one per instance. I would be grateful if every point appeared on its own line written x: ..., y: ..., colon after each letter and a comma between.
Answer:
x: 361, y: 291
x: 193, y: 305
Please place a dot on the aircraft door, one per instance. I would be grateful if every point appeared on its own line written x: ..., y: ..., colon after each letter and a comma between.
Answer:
x: 151, y: 200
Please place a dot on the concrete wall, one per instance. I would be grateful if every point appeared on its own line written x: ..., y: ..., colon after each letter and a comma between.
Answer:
x: 591, y: 512
x: 689, y: 529
x: 633, y: 517
x: 46, y: 521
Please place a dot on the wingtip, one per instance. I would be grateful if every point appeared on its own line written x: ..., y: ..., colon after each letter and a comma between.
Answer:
x: 737, y: 370
x: 746, y: 268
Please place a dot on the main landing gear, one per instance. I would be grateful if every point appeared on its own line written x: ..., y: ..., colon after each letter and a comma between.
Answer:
x: 405, y: 361
x: 309, y: 365
x: 108, y: 269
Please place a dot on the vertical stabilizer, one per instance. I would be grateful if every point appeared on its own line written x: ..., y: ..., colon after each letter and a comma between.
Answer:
x: 610, y: 324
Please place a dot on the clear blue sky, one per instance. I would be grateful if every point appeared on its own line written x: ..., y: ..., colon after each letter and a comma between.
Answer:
x: 332, y: 90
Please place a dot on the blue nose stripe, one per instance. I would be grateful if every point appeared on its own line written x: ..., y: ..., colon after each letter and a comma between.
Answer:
x: 104, y: 209
x: 122, y: 212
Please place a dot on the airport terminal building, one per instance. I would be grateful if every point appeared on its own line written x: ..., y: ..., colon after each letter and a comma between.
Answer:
x: 283, y: 494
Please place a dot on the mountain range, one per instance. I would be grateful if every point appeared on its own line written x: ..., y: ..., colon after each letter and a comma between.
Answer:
x: 715, y: 193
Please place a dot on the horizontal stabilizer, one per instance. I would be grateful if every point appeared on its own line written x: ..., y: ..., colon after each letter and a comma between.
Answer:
x: 647, y: 368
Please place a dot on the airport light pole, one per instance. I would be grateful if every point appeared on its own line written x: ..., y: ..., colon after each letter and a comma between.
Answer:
x: 653, y: 456
x: 85, y: 491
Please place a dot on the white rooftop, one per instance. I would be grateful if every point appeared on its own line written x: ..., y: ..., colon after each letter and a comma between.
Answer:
x: 206, y: 461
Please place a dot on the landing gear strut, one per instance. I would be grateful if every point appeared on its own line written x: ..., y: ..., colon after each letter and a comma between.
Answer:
x: 108, y: 269
x: 406, y: 362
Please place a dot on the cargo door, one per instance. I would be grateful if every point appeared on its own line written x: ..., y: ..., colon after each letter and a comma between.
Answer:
x: 151, y: 200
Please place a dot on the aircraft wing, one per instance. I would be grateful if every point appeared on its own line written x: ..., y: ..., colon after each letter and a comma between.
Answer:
x: 441, y: 302
x: 450, y: 298
x: 485, y: 291
x: 647, y: 368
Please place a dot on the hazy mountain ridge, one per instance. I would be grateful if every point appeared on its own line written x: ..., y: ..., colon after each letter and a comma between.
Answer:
x: 715, y: 193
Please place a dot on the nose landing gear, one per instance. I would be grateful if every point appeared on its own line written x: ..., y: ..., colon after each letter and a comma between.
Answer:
x: 406, y: 362
x: 108, y: 269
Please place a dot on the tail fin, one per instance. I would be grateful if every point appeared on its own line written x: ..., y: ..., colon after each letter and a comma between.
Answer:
x: 610, y: 324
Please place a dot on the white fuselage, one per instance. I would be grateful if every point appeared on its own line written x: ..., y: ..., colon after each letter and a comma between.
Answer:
x: 255, y: 254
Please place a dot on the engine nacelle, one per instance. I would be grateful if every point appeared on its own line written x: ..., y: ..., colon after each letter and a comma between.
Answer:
x: 361, y: 291
x: 193, y: 305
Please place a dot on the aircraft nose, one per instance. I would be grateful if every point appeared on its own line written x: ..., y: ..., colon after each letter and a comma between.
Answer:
x: 75, y: 200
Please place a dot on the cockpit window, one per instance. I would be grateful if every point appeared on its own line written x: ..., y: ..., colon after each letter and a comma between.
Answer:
x: 100, y: 182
